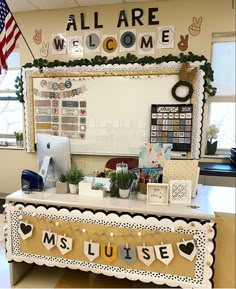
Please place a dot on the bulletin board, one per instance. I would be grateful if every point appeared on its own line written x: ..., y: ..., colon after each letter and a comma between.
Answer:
x: 105, y: 110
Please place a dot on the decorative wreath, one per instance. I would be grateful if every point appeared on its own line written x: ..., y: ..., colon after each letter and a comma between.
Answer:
x: 182, y: 83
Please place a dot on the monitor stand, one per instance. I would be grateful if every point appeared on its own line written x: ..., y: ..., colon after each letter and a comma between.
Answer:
x: 44, y: 168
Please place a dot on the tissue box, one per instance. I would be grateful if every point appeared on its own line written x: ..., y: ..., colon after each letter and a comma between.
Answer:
x: 86, y: 187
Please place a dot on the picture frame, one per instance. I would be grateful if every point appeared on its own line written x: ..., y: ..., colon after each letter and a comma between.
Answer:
x: 157, y: 194
x: 180, y: 191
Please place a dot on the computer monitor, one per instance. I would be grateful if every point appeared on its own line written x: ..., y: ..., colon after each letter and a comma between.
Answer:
x: 57, y: 150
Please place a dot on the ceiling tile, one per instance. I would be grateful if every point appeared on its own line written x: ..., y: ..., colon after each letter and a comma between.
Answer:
x: 98, y: 2
x: 54, y: 4
x: 19, y: 6
x: 29, y: 5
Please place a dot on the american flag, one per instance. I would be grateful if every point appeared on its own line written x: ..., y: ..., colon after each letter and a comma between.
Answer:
x: 9, y: 33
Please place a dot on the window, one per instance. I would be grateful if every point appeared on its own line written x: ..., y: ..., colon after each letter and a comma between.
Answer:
x: 11, y: 110
x: 222, y: 105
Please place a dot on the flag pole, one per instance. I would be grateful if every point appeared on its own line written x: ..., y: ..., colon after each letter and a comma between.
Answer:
x: 20, y: 31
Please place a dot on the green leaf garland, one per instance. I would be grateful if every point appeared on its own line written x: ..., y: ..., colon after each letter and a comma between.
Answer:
x: 129, y: 58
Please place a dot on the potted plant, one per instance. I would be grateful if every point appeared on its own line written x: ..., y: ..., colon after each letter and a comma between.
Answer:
x: 114, y: 190
x: 61, y: 185
x: 124, y: 180
x: 19, y: 138
x: 73, y: 177
x: 211, y: 146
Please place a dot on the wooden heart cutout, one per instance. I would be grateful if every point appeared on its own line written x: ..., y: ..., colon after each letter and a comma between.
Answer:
x: 187, y: 248
x: 25, y: 228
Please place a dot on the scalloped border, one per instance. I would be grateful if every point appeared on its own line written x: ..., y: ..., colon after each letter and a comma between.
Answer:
x: 150, y: 221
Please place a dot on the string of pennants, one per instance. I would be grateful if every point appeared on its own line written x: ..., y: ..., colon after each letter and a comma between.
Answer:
x: 110, y: 252
x: 60, y: 94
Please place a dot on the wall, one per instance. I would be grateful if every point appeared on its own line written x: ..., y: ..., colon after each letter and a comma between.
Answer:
x: 218, y: 16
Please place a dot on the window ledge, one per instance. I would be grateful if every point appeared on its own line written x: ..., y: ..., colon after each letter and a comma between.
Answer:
x: 11, y: 148
x: 216, y: 156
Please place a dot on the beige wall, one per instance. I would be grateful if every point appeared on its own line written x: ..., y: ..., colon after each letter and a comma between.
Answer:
x: 218, y: 16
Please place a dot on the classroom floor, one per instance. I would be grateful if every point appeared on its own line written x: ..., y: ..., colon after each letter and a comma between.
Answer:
x: 45, y: 277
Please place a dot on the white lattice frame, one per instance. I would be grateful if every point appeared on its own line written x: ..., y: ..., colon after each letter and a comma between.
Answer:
x: 115, y: 70
x: 204, y: 231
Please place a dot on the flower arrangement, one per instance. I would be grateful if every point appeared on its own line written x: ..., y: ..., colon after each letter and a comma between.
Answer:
x: 212, y: 132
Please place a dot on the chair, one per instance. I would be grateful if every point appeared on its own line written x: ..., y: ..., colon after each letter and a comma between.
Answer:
x: 111, y: 164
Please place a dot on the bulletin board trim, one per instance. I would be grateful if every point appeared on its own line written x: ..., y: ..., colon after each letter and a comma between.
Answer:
x: 140, y: 222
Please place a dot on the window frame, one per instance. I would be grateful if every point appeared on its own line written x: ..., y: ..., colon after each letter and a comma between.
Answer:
x: 8, y: 140
x: 217, y: 38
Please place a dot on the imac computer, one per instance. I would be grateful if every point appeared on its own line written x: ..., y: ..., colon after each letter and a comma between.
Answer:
x: 54, y: 157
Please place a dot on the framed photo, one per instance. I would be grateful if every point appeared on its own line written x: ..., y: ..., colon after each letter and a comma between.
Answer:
x: 157, y: 194
x: 180, y: 191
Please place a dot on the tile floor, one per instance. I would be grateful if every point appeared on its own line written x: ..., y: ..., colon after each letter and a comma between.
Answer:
x: 45, y: 277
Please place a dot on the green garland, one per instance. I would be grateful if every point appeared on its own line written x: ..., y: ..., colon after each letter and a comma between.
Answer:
x: 129, y: 58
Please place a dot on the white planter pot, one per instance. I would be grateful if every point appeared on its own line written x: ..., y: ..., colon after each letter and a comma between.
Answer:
x: 73, y: 188
x: 124, y: 194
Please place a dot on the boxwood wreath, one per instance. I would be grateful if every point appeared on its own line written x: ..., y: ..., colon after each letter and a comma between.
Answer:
x: 129, y: 58
x: 182, y: 83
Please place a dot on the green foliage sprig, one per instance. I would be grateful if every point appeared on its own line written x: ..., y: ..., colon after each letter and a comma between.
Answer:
x: 19, y: 88
x: 129, y: 58
x: 74, y: 176
x: 124, y: 179
x: 18, y: 135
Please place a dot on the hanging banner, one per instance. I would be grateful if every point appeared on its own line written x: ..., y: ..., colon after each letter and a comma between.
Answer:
x: 173, y: 252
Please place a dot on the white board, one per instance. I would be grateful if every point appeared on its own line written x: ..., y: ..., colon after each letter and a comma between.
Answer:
x: 118, y: 104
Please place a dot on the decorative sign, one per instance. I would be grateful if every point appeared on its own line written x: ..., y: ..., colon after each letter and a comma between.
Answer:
x: 25, y: 230
x: 49, y: 239
x: 157, y: 194
x: 127, y: 254
x: 187, y: 249
x: 64, y: 244
x: 180, y: 191
x: 164, y: 253
x: 59, y: 43
x: 60, y: 107
x: 146, y: 254
x: 109, y: 252
x: 100, y: 244
x: 172, y: 124
x: 91, y: 250
x: 165, y: 36
x: 195, y: 28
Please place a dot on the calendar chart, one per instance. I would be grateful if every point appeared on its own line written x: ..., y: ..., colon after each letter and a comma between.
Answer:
x: 172, y: 124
